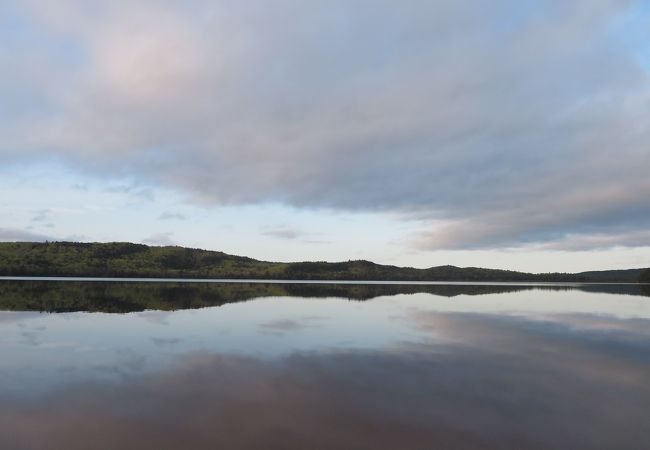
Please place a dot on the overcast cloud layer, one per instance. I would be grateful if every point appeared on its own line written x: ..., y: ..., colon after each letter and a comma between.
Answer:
x: 498, y: 123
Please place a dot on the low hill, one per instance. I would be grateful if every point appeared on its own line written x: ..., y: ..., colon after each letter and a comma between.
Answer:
x: 121, y: 259
x: 612, y: 276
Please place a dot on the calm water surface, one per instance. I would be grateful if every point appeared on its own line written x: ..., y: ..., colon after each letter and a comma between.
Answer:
x: 92, y: 365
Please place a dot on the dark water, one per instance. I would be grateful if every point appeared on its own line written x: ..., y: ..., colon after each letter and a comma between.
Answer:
x: 275, y: 366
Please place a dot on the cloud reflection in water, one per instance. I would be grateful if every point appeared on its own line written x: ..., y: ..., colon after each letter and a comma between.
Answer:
x: 473, y: 381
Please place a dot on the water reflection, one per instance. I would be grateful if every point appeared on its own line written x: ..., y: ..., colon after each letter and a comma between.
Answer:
x: 122, y: 297
x: 534, y: 369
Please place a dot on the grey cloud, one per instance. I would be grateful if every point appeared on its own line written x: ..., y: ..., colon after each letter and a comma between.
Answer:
x: 499, y: 124
x: 570, y: 222
x: 284, y: 233
x: 12, y: 234
x: 168, y: 215
x: 80, y: 187
x: 600, y: 241
x: 160, y: 239
x: 133, y: 189
x: 17, y: 235
x: 41, y: 215
x: 163, y: 342
x: 77, y: 238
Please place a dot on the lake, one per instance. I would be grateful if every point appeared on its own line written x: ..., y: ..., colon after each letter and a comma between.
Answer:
x: 171, y: 365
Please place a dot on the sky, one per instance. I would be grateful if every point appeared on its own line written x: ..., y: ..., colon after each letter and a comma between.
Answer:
x: 509, y: 134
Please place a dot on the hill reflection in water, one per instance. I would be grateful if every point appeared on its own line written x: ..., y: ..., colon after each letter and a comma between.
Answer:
x: 122, y: 297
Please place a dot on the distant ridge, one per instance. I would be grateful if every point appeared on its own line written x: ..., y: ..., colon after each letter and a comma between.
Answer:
x: 123, y: 259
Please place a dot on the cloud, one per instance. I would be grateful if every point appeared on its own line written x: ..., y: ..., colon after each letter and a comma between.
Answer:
x: 284, y: 233
x: 287, y: 233
x: 499, y: 124
x: 160, y: 239
x: 16, y: 235
x: 134, y: 190
x: 163, y: 342
x: 168, y: 215
x: 41, y: 215
x: 80, y: 187
x: 599, y: 241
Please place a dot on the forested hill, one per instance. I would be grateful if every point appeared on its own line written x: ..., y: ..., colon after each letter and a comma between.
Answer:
x: 120, y: 259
